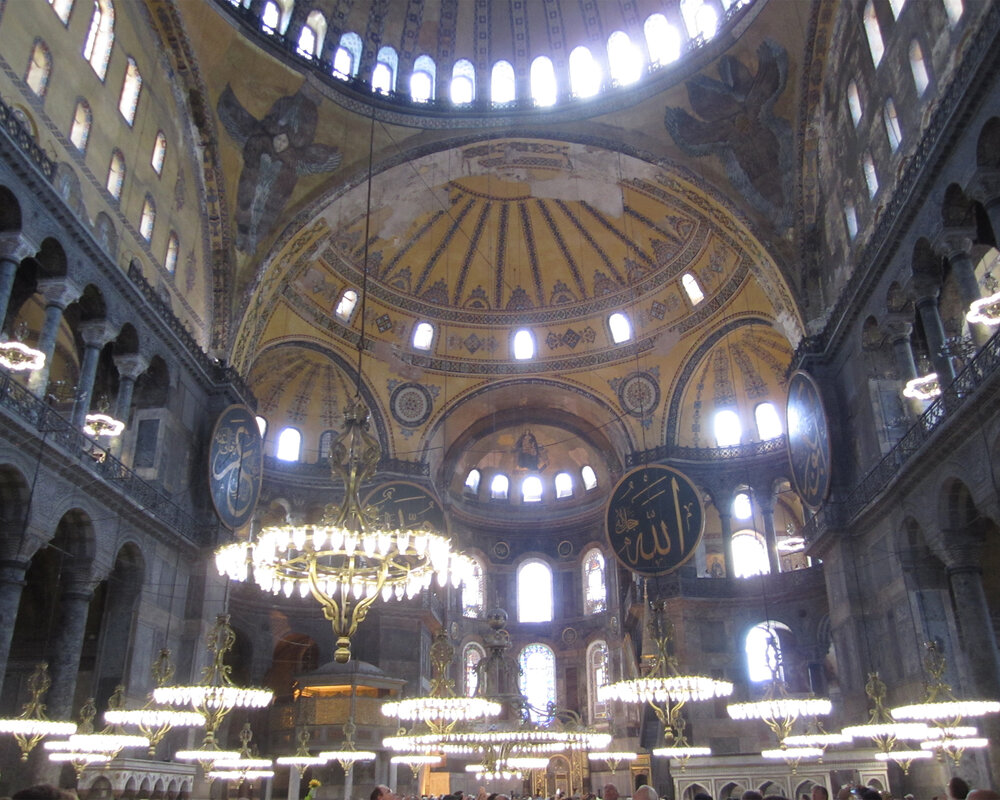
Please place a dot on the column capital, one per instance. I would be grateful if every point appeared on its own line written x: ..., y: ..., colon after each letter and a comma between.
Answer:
x: 898, y: 328
x: 97, y: 333
x: 985, y: 185
x: 954, y: 242
x: 59, y: 291
x: 925, y: 288
x: 131, y: 365
x: 15, y: 246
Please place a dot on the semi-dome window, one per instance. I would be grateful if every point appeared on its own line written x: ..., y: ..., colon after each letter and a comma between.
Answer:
x: 159, y: 153
x: 749, y: 555
x: 871, y: 176
x: 531, y: 489
x: 423, y: 336
x: 463, y: 82
x: 79, y: 131
x: 851, y: 220
x: 270, y: 18
x: 384, y: 74
x: 170, y: 258
x: 621, y: 328
x: 589, y: 477
x: 261, y: 426
x: 892, y: 130
x: 854, y: 103
x: 100, y: 37
x: 499, y: 487
x: 345, y: 307
x: 312, y: 35
x: 347, y: 58
x: 543, y: 81
x: 692, y: 289
x: 742, y: 509
x: 564, y: 485
x: 39, y: 68
x: 472, y: 481
x: 147, y: 219
x: 422, y: 79
x: 663, y: 40
x: 289, y: 445
x: 524, y: 345
x: 624, y: 59
x: 768, y: 421
x: 874, y: 33
x: 728, y: 430
x: 584, y: 73
x: 116, y: 174
x: 534, y: 592
x: 700, y: 18
x: 131, y: 87
x: 918, y: 68
x: 502, y: 83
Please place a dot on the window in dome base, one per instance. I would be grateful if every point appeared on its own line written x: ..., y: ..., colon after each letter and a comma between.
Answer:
x: 472, y: 481
x: 564, y: 485
x: 768, y: 421
x: 346, y: 305
x: 534, y: 592
x: 621, y: 328
x: 543, y: 82
x: 423, y: 336
x: 728, y: 431
x: 531, y: 489
x: 524, y: 345
x: 289, y: 445
x: 589, y: 477
x: 502, y: 86
x: 499, y: 487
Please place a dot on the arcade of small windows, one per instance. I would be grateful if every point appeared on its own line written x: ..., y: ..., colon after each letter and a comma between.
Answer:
x: 627, y: 60
x: 729, y: 430
x: 532, y: 489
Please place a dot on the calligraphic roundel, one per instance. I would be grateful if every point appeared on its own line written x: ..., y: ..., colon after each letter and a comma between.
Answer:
x: 405, y: 505
x: 655, y: 520
x: 235, y: 466
x: 808, y: 440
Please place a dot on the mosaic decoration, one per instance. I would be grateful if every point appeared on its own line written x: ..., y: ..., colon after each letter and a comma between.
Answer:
x: 639, y: 393
x: 384, y: 323
x: 411, y: 404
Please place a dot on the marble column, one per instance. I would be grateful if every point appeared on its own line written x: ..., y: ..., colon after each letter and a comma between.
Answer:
x: 293, y: 783
x: 930, y: 316
x: 766, y: 504
x: 95, y: 335
x: 58, y: 293
x: 14, y: 248
x: 349, y: 782
x: 130, y: 367
x: 726, y: 519
x: 902, y: 350
x: 985, y: 187
x: 12, y: 572
x: 956, y: 246
x: 67, y: 645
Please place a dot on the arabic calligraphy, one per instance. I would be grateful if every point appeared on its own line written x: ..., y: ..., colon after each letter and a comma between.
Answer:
x: 406, y: 505
x: 655, y: 520
x: 235, y: 466
x: 808, y: 440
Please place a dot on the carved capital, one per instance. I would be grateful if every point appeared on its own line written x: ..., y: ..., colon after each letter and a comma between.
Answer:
x: 97, y: 333
x: 898, y: 329
x: 925, y: 287
x: 985, y: 186
x: 954, y: 243
x: 131, y: 365
x: 15, y: 246
x: 58, y: 291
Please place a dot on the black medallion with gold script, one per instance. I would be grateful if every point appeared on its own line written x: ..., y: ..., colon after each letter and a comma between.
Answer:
x: 405, y: 505
x: 808, y: 440
x: 655, y: 520
x: 235, y: 466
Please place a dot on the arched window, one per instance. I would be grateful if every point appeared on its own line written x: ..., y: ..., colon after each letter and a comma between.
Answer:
x: 289, y: 445
x: 897, y: 7
x: 874, y: 33
x: 524, y: 345
x: 311, y: 36
x: 595, y: 593
x: 728, y: 431
x: 39, y: 68
x: 538, y: 679
x: 700, y: 19
x: 663, y: 40
x: 597, y: 676
x: 851, y: 219
x: 275, y: 16
x: 534, y: 592
x: 131, y: 86
x: 692, y: 289
x: 584, y: 73
x: 621, y: 328
x: 918, y: 68
x: 170, y: 259
x: 422, y: 79
x: 147, y: 219
x: 768, y: 421
x: 749, y: 555
x: 763, y: 649
x: 79, y: 131
x: 159, y: 153
x: 502, y: 88
x: 100, y: 37
x: 423, y: 336
x: 261, y: 426
x: 531, y: 489
x: 892, y: 129
x: 471, y: 656
x: 472, y: 481
x: 589, y: 477
x: 954, y: 10
x: 116, y: 174
x: 499, y: 486
x: 854, y: 103
x: 564, y: 485
x: 325, y: 445
x: 463, y: 82
x: 384, y: 74
x: 474, y: 591
x: 871, y: 176
x: 742, y: 508
x: 347, y: 59
x: 624, y: 59
x: 62, y: 9
x: 346, y: 305
x: 543, y: 82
